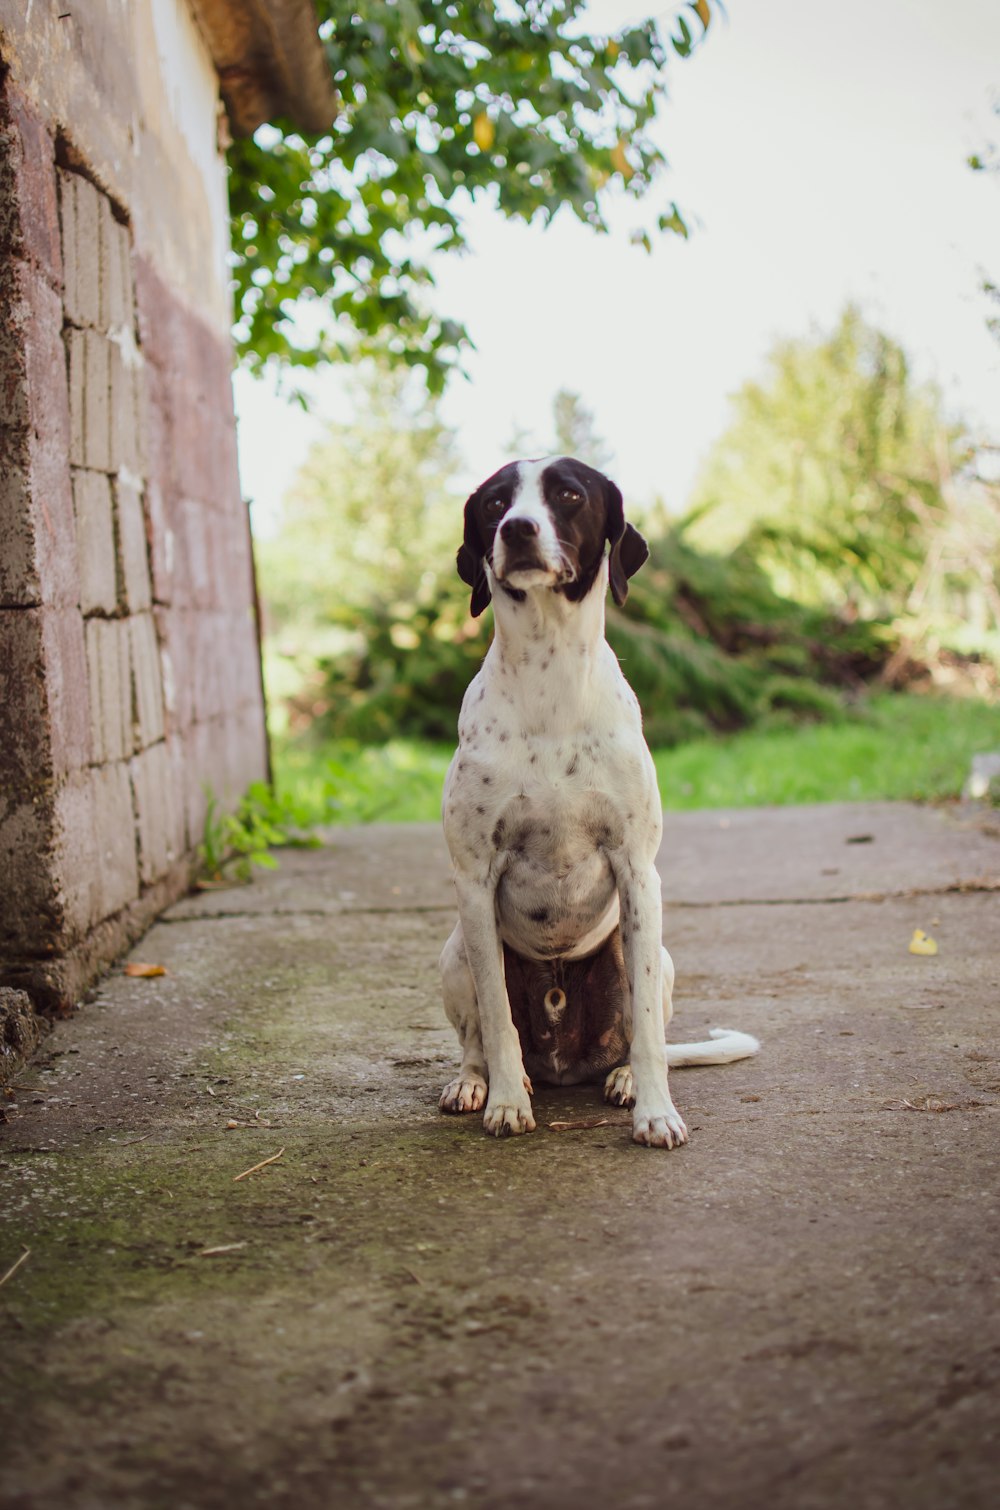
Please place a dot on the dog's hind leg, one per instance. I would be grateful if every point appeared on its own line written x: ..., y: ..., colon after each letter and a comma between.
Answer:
x: 467, y: 1092
x: 618, y: 1085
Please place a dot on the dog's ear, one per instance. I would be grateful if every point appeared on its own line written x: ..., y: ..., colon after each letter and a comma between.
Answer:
x: 471, y: 565
x: 628, y: 549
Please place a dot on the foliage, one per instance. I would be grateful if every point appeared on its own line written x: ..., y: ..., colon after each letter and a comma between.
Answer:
x: 343, y: 781
x: 576, y: 432
x: 849, y: 485
x: 988, y: 161
x: 886, y: 746
x: 439, y: 103
x: 891, y: 746
x: 374, y: 503
x: 708, y: 644
x: 705, y: 639
x: 233, y: 843
x: 371, y: 521
x: 830, y: 468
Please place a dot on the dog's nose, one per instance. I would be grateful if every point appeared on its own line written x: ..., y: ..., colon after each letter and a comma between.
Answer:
x: 518, y: 529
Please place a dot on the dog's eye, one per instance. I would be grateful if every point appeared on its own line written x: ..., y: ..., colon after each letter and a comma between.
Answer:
x: 569, y: 496
x: 494, y: 508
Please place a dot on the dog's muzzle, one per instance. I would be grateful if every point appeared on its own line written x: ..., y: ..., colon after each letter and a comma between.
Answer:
x: 519, y: 552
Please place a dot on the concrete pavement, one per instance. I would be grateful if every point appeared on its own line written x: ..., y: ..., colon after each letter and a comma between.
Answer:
x: 799, y: 1309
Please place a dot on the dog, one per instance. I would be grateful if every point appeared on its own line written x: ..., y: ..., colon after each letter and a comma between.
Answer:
x: 556, y: 969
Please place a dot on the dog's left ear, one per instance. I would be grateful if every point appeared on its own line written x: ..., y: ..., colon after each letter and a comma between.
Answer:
x: 470, y: 560
x: 628, y: 549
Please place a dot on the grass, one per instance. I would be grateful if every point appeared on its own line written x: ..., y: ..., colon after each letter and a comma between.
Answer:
x: 345, y: 782
x: 894, y: 747
x: 891, y: 747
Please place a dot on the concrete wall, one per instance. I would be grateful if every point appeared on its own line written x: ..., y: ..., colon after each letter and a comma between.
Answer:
x: 129, y: 677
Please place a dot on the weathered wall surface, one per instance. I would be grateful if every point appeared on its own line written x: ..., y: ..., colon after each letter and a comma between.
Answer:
x: 129, y: 88
x: 129, y: 678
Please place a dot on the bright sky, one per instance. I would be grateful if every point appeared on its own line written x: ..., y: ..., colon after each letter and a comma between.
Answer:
x: 820, y: 150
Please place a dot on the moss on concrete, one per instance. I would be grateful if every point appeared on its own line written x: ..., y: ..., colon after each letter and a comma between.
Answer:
x: 418, y: 1315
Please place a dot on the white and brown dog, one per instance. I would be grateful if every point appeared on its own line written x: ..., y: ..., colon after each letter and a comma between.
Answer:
x: 556, y: 969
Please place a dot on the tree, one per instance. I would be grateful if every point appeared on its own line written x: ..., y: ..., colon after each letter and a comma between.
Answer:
x: 573, y: 433
x: 362, y: 603
x: 372, y: 508
x: 576, y: 431
x: 988, y: 161
x: 440, y: 102
x: 833, y: 468
x: 847, y: 482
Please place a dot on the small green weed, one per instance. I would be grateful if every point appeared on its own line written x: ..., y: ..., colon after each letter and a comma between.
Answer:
x: 233, y: 843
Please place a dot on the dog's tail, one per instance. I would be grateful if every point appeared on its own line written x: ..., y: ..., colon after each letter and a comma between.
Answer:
x: 726, y: 1045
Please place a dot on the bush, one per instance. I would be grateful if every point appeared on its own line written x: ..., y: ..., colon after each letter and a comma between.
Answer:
x: 704, y: 640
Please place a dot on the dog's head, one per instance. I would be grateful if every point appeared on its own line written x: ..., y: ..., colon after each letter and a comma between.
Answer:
x: 545, y: 524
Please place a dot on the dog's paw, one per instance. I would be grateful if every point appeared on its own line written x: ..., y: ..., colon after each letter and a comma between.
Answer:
x: 505, y: 1119
x: 665, y: 1130
x: 618, y: 1087
x: 466, y: 1093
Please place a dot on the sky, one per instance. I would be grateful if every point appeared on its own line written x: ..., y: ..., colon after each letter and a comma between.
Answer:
x: 819, y: 152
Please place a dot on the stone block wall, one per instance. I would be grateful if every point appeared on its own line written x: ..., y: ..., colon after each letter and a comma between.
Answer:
x: 129, y: 671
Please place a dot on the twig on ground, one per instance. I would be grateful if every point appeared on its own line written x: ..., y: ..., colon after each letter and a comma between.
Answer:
x: 582, y: 1123
x: 254, y: 1167
x: 932, y: 1104
x: 222, y: 1248
x: 14, y: 1267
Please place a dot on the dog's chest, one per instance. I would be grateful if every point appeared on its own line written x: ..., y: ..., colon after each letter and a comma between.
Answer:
x: 556, y: 886
x: 552, y: 778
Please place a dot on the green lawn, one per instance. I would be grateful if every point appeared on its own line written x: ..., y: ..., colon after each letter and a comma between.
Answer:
x: 898, y: 747
x: 891, y: 747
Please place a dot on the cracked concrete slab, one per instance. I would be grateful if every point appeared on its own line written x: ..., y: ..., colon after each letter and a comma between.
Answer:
x: 798, y: 1310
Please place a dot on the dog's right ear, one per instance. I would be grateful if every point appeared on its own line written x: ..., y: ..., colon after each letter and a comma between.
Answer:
x: 628, y: 548
x: 471, y: 561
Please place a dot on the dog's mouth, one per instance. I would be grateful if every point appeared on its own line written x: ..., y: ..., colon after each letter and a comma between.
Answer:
x: 532, y: 571
x: 526, y: 576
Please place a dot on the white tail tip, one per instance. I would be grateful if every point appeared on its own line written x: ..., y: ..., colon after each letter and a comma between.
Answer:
x: 726, y: 1045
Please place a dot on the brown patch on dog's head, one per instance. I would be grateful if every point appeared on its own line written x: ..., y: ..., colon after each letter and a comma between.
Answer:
x: 484, y: 510
x: 586, y: 511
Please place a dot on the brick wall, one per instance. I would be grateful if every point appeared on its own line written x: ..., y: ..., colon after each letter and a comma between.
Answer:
x: 129, y: 677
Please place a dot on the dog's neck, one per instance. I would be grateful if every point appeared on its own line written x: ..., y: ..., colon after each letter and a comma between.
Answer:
x: 541, y: 626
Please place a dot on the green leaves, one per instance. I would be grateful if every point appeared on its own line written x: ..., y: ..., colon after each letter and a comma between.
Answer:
x: 439, y: 104
x: 233, y: 843
x: 852, y: 486
x: 369, y: 627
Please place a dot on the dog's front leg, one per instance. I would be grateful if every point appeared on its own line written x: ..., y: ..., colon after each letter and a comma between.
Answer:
x: 508, y: 1106
x: 655, y: 1119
